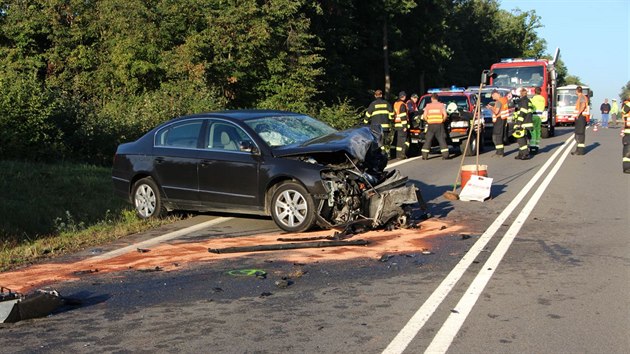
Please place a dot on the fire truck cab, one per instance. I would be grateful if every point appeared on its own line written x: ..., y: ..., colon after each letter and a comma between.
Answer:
x: 530, y: 73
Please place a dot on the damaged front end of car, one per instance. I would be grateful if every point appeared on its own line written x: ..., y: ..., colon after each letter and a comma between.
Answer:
x: 358, y: 189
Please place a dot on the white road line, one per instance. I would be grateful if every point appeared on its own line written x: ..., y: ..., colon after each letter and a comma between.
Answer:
x: 422, y: 315
x: 154, y: 241
x: 443, y: 339
x: 397, y: 163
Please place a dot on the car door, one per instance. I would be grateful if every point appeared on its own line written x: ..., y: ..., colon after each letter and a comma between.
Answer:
x: 176, y: 156
x: 228, y: 176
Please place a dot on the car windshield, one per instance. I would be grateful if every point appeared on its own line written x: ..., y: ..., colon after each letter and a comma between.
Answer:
x: 285, y: 130
x: 529, y: 76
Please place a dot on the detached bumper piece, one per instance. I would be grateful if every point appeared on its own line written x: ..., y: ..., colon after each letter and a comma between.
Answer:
x: 16, y: 307
x: 389, y: 198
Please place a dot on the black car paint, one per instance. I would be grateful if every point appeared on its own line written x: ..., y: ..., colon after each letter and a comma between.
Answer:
x: 210, y: 191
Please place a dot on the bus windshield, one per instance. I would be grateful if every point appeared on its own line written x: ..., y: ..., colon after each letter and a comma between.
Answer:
x: 524, y: 76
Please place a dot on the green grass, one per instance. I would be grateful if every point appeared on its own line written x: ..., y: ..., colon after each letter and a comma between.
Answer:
x: 52, y: 209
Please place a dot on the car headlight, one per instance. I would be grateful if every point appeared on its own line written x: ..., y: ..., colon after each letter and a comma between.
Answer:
x: 459, y: 124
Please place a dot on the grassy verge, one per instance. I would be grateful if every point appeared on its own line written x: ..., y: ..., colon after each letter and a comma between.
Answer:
x: 52, y: 209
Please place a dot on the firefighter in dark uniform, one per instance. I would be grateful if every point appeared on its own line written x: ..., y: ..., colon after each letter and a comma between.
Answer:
x: 523, y: 123
x: 435, y: 115
x: 379, y: 115
x: 625, y: 133
x: 581, y: 105
x: 399, y: 140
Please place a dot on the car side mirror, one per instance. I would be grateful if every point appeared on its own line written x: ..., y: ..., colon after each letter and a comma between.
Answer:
x: 248, y: 146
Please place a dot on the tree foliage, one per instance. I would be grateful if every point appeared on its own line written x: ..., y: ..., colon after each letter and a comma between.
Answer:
x: 625, y: 92
x: 78, y: 77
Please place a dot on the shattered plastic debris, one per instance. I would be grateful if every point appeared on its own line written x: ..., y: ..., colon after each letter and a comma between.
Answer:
x: 16, y: 307
x: 386, y: 257
x: 265, y: 294
x: 426, y: 252
x: 465, y: 236
x: 284, y: 283
x: 88, y: 271
x: 143, y: 250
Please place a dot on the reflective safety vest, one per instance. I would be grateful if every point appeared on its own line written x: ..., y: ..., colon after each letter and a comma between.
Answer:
x: 435, y: 113
x: 400, y: 114
x: 625, y: 110
x: 538, y: 101
x: 504, y: 113
x: 581, y: 105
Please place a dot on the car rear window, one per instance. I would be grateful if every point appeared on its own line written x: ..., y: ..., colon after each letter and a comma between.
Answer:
x: 182, y: 134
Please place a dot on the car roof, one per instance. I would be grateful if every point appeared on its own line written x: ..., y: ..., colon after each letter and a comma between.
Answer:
x: 448, y: 93
x: 241, y: 114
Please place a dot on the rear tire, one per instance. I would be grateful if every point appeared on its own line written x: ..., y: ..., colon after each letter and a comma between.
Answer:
x: 544, y: 132
x: 292, y: 207
x: 146, y: 199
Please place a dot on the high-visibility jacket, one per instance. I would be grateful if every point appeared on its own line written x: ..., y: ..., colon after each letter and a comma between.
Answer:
x: 524, y: 113
x: 538, y: 101
x: 625, y: 113
x: 504, y: 110
x: 614, y: 108
x: 400, y: 114
x: 379, y: 112
x: 435, y: 113
x: 581, y: 105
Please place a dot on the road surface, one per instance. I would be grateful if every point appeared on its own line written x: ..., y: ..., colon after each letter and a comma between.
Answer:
x: 542, y: 267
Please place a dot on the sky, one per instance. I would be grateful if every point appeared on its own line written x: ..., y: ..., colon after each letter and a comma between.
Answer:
x: 593, y: 37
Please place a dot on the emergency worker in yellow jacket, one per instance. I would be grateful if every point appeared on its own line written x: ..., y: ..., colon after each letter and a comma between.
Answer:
x: 625, y: 140
x: 379, y: 115
x: 539, y: 102
x: 435, y: 115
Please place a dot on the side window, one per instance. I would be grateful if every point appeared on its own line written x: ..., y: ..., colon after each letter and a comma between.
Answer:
x: 184, y: 135
x: 226, y: 136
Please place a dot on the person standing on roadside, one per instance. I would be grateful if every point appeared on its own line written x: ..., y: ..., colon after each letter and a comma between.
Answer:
x: 522, y: 125
x: 379, y: 116
x: 605, y: 109
x: 435, y: 116
x: 625, y: 134
x: 614, y: 112
x: 412, y: 108
x: 539, y: 102
x: 581, y: 105
x: 399, y: 140
x: 500, y: 113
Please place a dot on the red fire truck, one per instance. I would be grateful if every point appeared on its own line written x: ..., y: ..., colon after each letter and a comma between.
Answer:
x: 529, y: 73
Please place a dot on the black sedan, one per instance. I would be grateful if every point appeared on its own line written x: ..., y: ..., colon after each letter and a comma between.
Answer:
x: 293, y: 167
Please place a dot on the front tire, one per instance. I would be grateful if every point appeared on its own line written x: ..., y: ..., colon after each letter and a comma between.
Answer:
x: 146, y: 199
x: 292, y: 207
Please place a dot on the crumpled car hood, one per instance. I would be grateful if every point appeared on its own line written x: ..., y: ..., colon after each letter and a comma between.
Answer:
x: 355, y: 142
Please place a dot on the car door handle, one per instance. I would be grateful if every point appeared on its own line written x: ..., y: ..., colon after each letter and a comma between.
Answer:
x: 205, y: 163
x: 159, y: 160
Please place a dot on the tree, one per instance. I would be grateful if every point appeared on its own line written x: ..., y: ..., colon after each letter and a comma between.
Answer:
x: 625, y: 92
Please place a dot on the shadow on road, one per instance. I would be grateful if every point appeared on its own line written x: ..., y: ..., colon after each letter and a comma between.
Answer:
x: 591, y: 147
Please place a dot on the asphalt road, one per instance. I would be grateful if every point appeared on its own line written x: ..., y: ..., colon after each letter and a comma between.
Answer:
x: 546, y: 269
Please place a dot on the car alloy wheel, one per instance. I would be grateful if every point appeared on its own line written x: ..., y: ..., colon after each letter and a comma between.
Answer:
x: 292, y: 207
x: 146, y: 199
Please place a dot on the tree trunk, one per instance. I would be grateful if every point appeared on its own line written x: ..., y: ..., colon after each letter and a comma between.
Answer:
x: 386, y: 59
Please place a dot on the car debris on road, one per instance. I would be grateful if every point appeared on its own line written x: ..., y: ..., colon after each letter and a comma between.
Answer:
x: 15, y: 307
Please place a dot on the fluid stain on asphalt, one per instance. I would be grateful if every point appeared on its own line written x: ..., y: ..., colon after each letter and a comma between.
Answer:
x: 172, y: 256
